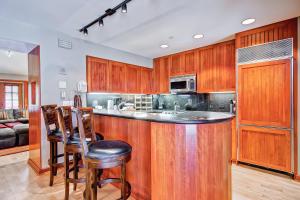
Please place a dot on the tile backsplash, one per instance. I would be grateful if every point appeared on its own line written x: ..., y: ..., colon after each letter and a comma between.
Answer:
x: 218, y: 102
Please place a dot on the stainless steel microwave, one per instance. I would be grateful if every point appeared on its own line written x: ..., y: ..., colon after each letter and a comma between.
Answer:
x: 183, y: 84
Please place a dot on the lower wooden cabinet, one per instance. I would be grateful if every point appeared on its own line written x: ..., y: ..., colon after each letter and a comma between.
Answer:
x: 265, y: 147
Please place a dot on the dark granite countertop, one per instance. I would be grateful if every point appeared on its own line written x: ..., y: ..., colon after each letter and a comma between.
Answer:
x: 179, y: 117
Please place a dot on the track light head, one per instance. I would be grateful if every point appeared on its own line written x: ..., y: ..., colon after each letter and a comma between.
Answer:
x: 124, y: 8
x: 101, y: 23
x: 85, y: 31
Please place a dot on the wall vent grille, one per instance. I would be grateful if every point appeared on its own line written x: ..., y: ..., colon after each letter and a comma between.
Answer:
x: 277, y: 50
x: 64, y: 44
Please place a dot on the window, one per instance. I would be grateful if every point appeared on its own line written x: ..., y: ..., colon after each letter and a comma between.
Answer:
x: 11, y: 97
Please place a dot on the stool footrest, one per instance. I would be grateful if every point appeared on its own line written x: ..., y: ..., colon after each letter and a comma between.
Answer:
x: 80, y: 180
x: 115, y: 180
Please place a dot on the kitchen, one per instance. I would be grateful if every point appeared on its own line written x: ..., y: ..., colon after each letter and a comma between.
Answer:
x: 202, y: 118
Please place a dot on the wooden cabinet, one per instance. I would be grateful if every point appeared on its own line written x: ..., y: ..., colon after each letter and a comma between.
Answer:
x: 177, y: 64
x: 117, y: 77
x: 184, y: 63
x: 133, y: 79
x: 264, y: 94
x: 161, y: 75
x: 146, y: 81
x: 265, y: 147
x: 191, y: 62
x: 216, y: 71
x: 110, y: 76
x: 97, y: 74
x: 234, y: 141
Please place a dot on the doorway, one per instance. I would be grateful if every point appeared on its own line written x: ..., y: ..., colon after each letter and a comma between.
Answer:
x: 19, y: 99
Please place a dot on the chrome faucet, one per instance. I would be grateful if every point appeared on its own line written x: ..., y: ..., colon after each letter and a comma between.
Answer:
x: 176, y: 106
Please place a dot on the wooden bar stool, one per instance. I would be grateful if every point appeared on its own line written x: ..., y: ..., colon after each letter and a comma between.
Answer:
x: 54, y: 136
x: 102, y: 155
x: 71, y: 147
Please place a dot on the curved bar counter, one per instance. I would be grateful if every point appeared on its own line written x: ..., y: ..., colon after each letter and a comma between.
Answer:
x: 183, y: 155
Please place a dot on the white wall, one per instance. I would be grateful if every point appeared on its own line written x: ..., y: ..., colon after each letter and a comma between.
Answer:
x: 13, y: 77
x: 54, y: 58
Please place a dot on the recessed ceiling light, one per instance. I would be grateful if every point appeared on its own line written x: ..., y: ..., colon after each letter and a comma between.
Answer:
x: 198, y: 36
x: 248, y: 21
x: 163, y: 46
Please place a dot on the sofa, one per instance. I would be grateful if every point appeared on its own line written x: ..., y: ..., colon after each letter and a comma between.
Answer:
x: 14, y: 128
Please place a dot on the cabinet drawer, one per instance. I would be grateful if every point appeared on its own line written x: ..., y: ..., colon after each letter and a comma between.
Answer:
x: 265, y: 147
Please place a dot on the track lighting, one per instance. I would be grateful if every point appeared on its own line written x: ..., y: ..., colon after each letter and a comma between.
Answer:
x: 101, y: 23
x: 124, y: 8
x: 85, y: 31
x: 108, y: 12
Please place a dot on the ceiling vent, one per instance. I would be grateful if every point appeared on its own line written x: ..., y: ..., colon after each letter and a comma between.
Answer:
x: 277, y: 50
x: 64, y: 44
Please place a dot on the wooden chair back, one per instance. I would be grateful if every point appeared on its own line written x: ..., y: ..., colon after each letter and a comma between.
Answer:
x: 81, y: 118
x: 88, y: 120
x: 64, y: 114
x: 50, y: 118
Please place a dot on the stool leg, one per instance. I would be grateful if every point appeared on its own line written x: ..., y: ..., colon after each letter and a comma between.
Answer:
x: 55, y: 157
x: 94, y: 183
x: 88, y: 183
x: 75, y: 172
x: 51, y: 163
x: 67, y: 181
x: 123, y: 180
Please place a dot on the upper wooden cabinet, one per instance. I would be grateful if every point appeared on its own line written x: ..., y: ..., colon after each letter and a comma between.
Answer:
x: 161, y: 75
x: 117, y: 77
x: 264, y: 94
x: 97, y: 74
x: 216, y: 71
x: 191, y: 62
x: 146, y: 80
x: 133, y: 79
x: 184, y: 63
x: 177, y: 64
x: 269, y: 33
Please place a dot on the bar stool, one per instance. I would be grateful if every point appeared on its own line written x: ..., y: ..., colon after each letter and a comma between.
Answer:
x: 102, y: 155
x: 71, y: 147
x: 54, y: 136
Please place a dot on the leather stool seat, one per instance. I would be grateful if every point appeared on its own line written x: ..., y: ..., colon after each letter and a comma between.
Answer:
x: 108, y: 149
x: 56, y: 136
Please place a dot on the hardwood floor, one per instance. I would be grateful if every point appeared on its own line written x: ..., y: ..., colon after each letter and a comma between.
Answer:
x: 250, y: 184
x: 19, y: 182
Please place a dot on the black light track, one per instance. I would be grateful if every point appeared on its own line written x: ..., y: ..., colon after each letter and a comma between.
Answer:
x: 107, y: 13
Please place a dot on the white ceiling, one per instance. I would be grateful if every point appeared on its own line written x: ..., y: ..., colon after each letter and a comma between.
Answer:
x: 150, y: 23
x: 16, y: 64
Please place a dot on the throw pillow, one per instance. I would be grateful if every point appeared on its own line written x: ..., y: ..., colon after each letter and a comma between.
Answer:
x: 17, y: 113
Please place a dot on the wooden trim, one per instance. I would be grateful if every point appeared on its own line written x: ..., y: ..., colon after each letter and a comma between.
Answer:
x: 200, y: 48
x: 36, y: 168
x: 297, y: 178
x: 13, y: 150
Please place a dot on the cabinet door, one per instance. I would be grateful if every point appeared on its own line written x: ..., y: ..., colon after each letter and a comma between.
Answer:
x: 117, y: 82
x: 177, y: 64
x: 146, y: 81
x: 97, y: 74
x: 206, y: 71
x: 265, y: 147
x: 164, y: 75
x: 161, y: 75
x: 133, y: 77
x: 264, y: 94
x: 216, y: 71
x: 190, y: 62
